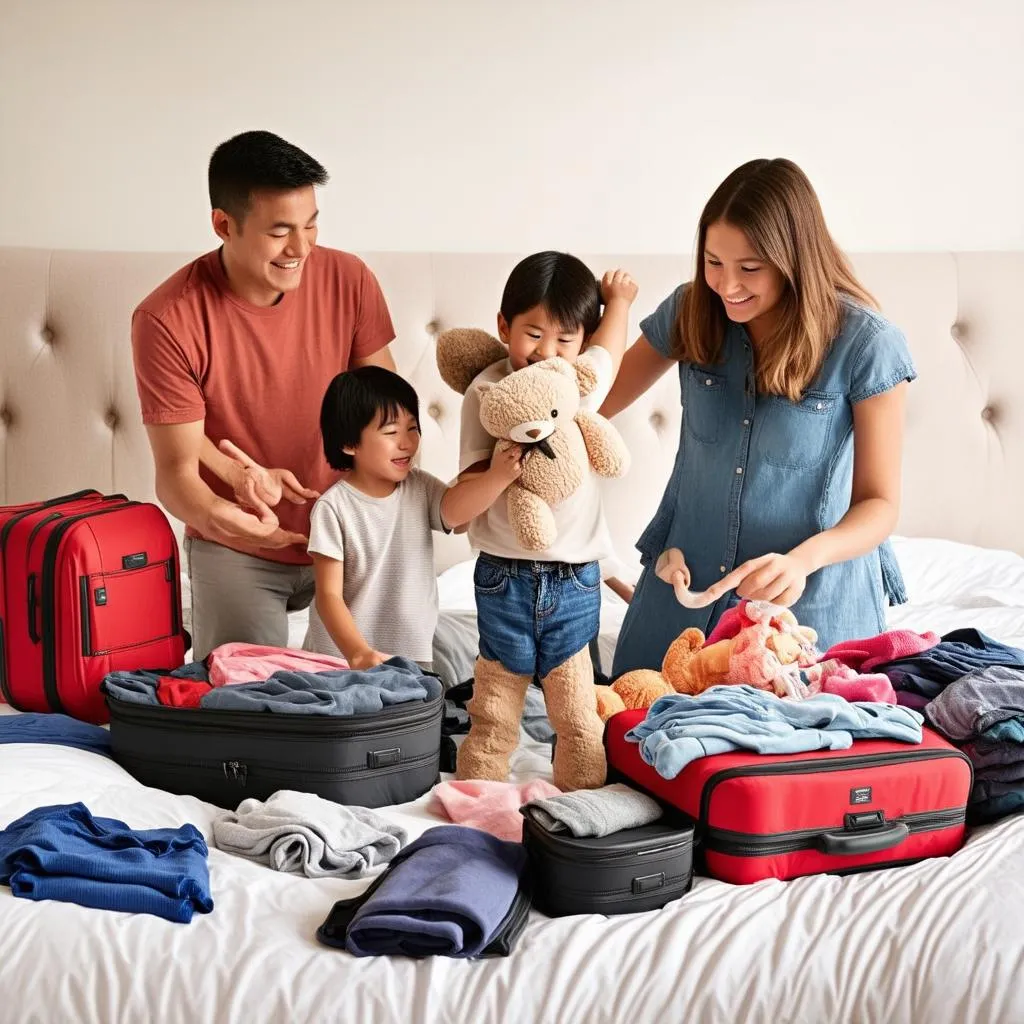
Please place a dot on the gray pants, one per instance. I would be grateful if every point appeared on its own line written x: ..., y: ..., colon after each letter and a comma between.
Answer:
x: 239, y: 598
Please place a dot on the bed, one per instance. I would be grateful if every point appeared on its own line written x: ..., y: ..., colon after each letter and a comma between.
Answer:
x: 939, y: 941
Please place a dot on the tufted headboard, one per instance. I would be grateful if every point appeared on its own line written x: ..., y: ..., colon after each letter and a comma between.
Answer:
x: 69, y: 415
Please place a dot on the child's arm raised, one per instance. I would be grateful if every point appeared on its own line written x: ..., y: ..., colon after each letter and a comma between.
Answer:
x: 476, y: 492
x: 618, y: 290
x: 336, y: 617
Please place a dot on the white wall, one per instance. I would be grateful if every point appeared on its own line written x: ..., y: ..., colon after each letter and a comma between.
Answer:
x: 515, y: 125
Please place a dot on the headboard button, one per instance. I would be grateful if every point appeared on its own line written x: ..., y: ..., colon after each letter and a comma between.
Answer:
x: 112, y: 419
x: 47, y: 334
x: 988, y: 414
x: 434, y: 326
x: 434, y: 411
x: 958, y: 332
x: 6, y: 416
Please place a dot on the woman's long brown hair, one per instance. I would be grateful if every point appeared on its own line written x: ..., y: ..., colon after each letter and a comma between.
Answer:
x: 774, y: 204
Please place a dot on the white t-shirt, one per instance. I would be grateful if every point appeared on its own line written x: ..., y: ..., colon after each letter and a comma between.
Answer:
x: 582, y: 531
x: 389, y: 581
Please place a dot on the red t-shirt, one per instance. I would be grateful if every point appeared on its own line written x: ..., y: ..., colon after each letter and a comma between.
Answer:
x: 257, y: 375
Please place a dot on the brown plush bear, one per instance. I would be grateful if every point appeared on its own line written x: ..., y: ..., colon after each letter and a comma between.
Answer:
x: 537, y: 407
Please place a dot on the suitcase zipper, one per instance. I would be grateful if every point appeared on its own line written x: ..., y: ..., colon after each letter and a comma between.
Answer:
x: 836, y: 764
x: 49, y: 569
x: 741, y: 844
x: 239, y: 771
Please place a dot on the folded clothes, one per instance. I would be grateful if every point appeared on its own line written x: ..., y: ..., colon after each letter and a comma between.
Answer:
x: 62, y: 852
x: 446, y: 894
x: 864, y: 655
x: 680, y: 728
x: 959, y: 652
x: 234, y: 663
x: 833, y: 676
x: 490, y: 806
x: 349, y: 692
x: 142, y: 687
x: 975, y: 702
x: 305, y: 834
x: 596, y: 812
x: 62, y: 730
x: 982, y: 810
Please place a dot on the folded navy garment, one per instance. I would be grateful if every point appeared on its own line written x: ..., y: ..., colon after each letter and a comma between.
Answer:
x: 141, y: 687
x: 975, y: 702
x: 62, y: 730
x: 62, y: 852
x: 449, y: 893
x: 960, y: 652
x: 345, y: 692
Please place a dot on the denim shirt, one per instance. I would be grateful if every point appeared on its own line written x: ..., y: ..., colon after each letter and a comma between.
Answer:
x: 759, y: 473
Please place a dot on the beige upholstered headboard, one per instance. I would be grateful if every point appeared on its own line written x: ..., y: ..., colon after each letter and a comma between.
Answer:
x: 69, y: 414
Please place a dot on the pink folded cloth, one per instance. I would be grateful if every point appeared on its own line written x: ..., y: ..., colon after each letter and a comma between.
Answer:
x: 851, y: 685
x: 864, y: 655
x: 254, y: 663
x: 489, y: 806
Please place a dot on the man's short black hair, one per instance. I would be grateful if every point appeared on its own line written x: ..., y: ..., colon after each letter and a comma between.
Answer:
x: 351, y: 403
x: 253, y: 161
x: 561, y: 283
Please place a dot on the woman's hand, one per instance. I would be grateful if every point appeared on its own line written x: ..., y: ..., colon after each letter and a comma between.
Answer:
x: 367, y: 659
x: 777, y: 578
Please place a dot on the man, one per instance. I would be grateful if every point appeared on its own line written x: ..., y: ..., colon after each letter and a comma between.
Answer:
x: 238, y: 346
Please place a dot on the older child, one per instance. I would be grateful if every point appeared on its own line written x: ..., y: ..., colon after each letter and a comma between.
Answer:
x: 538, y: 611
x: 793, y: 390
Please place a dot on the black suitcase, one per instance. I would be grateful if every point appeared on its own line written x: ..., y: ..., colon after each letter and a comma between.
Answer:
x: 626, y: 872
x: 223, y: 757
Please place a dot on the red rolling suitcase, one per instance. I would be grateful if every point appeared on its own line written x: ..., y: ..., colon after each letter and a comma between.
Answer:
x: 877, y: 804
x: 90, y: 586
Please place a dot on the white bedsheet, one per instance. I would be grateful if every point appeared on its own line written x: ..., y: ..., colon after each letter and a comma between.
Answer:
x: 941, y: 941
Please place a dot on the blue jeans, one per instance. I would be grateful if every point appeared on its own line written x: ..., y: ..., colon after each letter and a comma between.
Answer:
x: 533, y: 616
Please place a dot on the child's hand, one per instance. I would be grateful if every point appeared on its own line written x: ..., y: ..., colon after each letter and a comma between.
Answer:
x: 507, y: 463
x: 617, y: 284
x: 367, y: 659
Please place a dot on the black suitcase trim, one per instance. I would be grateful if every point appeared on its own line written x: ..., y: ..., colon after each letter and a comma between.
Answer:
x: 223, y: 757
x: 635, y: 870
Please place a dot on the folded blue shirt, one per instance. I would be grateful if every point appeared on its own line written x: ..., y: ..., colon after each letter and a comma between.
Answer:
x: 32, y: 727
x: 446, y: 894
x: 62, y: 852
x: 680, y: 728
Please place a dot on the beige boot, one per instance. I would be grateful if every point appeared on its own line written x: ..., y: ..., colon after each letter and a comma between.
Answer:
x: 495, y: 710
x: 579, y: 753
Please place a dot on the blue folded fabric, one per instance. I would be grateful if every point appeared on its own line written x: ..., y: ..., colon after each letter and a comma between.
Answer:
x: 140, y: 687
x: 61, y: 852
x: 959, y: 652
x: 62, y: 730
x: 446, y: 894
x: 977, y: 701
x: 680, y: 728
x: 344, y: 692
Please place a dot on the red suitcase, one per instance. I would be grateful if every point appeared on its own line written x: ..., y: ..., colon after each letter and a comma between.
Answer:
x: 877, y: 804
x: 90, y: 586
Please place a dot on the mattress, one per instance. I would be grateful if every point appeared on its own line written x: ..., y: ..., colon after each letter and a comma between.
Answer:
x: 939, y: 941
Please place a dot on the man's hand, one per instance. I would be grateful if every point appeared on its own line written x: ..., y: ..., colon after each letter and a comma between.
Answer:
x: 262, y: 489
x: 228, y: 522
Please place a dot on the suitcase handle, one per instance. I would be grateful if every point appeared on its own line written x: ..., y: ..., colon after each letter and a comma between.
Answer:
x: 858, y: 841
x: 33, y: 632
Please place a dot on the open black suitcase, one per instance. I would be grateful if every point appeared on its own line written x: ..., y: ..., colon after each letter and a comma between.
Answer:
x: 223, y: 757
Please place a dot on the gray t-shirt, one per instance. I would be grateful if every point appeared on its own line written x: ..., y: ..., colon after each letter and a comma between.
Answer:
x: 390, y: 585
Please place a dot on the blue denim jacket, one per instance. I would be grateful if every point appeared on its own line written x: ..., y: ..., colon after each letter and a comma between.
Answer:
x: 759, y: 473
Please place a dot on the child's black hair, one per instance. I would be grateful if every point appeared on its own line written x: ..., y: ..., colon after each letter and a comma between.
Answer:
x: 561, y: 283
x: 351, y: 403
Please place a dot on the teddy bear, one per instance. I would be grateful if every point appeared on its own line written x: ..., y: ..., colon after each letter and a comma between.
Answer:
x: 537, y: 407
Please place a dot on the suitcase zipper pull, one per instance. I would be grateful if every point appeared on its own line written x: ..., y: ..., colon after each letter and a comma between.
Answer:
x: 235, y: 771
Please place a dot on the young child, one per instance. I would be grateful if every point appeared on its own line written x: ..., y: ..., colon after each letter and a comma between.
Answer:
x: 370, y: 533
x: 793, y: 390
x: 538, y: 611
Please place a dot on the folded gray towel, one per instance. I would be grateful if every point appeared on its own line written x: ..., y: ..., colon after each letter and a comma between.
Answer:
x: 305, y: 834
x: 596, y: 812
